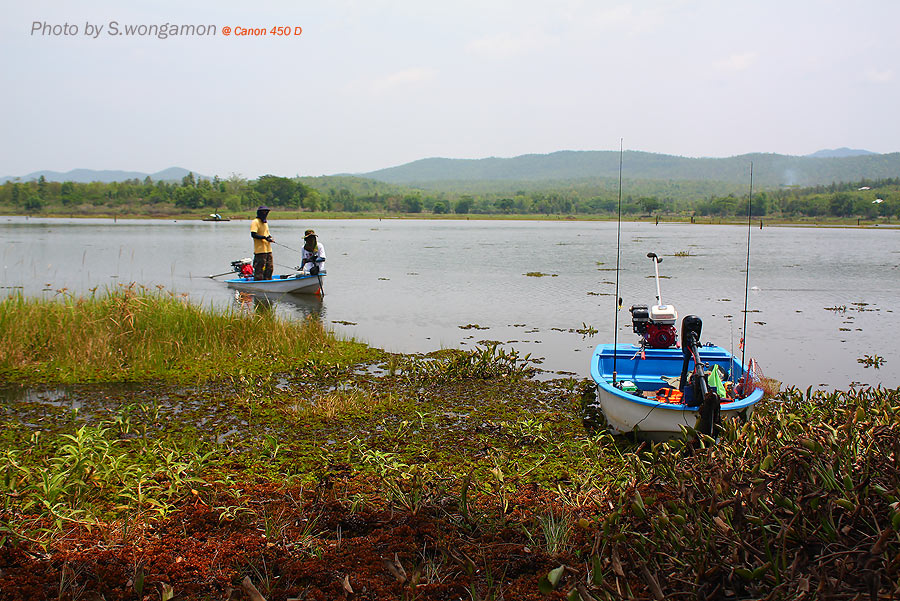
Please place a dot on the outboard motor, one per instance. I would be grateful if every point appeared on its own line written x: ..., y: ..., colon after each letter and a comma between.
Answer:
x: 691, y: 326
x: 706, y: 399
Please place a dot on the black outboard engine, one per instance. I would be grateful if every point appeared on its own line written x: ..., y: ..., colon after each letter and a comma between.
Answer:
x: 691, y: 326
x: 707, y: 400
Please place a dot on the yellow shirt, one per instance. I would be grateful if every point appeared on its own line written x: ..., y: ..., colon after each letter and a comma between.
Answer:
x: 261, y: 228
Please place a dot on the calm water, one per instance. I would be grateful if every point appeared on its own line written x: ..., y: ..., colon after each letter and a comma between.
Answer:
x: 409, y: 286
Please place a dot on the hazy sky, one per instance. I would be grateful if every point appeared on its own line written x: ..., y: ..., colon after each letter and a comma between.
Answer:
x: 377, y: 83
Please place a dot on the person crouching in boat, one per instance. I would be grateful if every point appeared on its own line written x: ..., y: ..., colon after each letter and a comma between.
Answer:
x: 313, y: 254
x: 263, y: 264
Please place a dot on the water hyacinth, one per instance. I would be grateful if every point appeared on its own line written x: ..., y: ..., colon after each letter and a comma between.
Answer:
x: 799, y: 502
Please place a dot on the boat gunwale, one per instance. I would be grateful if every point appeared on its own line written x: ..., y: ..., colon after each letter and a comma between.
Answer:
x: 602, y: 382
x: 292, y: 278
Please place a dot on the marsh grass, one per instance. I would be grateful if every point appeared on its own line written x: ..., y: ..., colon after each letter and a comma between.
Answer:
x: 557, y: 530
x: 490, y: 361
x: 132, y: 333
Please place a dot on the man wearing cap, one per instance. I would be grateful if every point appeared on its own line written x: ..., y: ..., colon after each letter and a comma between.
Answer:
x: 313, y: 254
x: 263, y: 265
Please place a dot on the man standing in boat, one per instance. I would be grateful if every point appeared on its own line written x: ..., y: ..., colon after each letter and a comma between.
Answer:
x: 313, y: 254
x: 263, y: 264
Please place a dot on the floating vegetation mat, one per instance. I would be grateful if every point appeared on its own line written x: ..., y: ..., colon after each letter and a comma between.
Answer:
x: 483, y: 486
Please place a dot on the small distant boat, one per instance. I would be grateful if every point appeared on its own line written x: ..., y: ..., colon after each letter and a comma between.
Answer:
x: 216, y: 217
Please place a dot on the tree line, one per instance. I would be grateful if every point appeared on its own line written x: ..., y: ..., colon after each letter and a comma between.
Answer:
x: 347, y: 194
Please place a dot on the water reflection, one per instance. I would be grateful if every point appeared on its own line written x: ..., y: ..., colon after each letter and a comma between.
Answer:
x: 305, y: 306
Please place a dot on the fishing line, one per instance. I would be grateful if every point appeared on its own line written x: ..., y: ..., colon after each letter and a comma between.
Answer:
x: 285, y: 246
x: 618, y: 243
x: 747, y: 281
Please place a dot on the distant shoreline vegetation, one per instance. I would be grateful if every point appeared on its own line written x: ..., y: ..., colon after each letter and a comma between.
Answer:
x: 351, y: 196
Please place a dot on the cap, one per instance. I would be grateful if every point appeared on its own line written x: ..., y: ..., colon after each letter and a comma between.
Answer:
x: 309, y: 233
x: 263, y: 208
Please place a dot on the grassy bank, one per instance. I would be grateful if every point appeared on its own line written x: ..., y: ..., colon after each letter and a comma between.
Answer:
x: 130, y: 334
x: 448, y: 476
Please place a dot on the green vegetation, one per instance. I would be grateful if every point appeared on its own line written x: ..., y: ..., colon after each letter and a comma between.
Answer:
x: 130, y: 334
x: 349, y: 196
x: 448, y: 475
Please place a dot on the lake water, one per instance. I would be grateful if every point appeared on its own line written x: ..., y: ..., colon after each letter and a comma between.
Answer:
x: 820, y: 299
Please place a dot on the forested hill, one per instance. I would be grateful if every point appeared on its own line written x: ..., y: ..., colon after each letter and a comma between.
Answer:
x: 769, y: 170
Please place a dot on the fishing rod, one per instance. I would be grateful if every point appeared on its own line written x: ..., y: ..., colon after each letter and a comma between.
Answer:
x: 747, y: 281
x: 618, y: 243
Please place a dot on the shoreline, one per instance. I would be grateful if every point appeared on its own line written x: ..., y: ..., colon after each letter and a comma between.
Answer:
x: 667, y: 219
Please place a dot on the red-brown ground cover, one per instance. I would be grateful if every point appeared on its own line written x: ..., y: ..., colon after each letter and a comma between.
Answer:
x: 318, y: 548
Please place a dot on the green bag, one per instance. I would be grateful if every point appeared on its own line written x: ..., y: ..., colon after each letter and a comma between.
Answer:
x: 715, y: 381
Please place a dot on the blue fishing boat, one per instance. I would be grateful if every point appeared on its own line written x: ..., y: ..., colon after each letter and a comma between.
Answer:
x: 657, y: 388
x: 640, y: 390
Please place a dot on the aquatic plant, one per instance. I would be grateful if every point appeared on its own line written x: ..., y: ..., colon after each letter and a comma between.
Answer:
x: 539, y: 274
x: 802, y: 498
x: 871, y: 361
x: 90, y: 474
x: 486, y: 362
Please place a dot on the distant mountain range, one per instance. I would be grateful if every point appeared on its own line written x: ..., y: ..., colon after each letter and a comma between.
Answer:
x: 769, y: 170
x: 839, y: 152
x: 557, y: 168
x: 172, y: 174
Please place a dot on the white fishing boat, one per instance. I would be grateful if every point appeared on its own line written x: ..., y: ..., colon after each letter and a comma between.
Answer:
x: 299, y: 282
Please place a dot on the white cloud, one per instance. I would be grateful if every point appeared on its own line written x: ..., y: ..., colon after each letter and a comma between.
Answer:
x: 507, y: 44
x: 873, y: 75
x: 406, y: 77
x: 625, y: 18
x: 736, y: 62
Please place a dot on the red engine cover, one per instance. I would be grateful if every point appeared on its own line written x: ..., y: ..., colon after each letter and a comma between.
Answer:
x: 660, y: 336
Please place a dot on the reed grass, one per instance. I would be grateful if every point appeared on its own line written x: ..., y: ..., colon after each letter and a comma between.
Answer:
x: 131, y: 333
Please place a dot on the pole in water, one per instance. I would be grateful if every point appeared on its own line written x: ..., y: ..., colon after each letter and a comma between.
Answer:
x: 747, y: 281
x: 618, y: 244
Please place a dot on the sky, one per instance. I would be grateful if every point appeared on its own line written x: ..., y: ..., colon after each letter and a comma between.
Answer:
x: 370, y: 84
